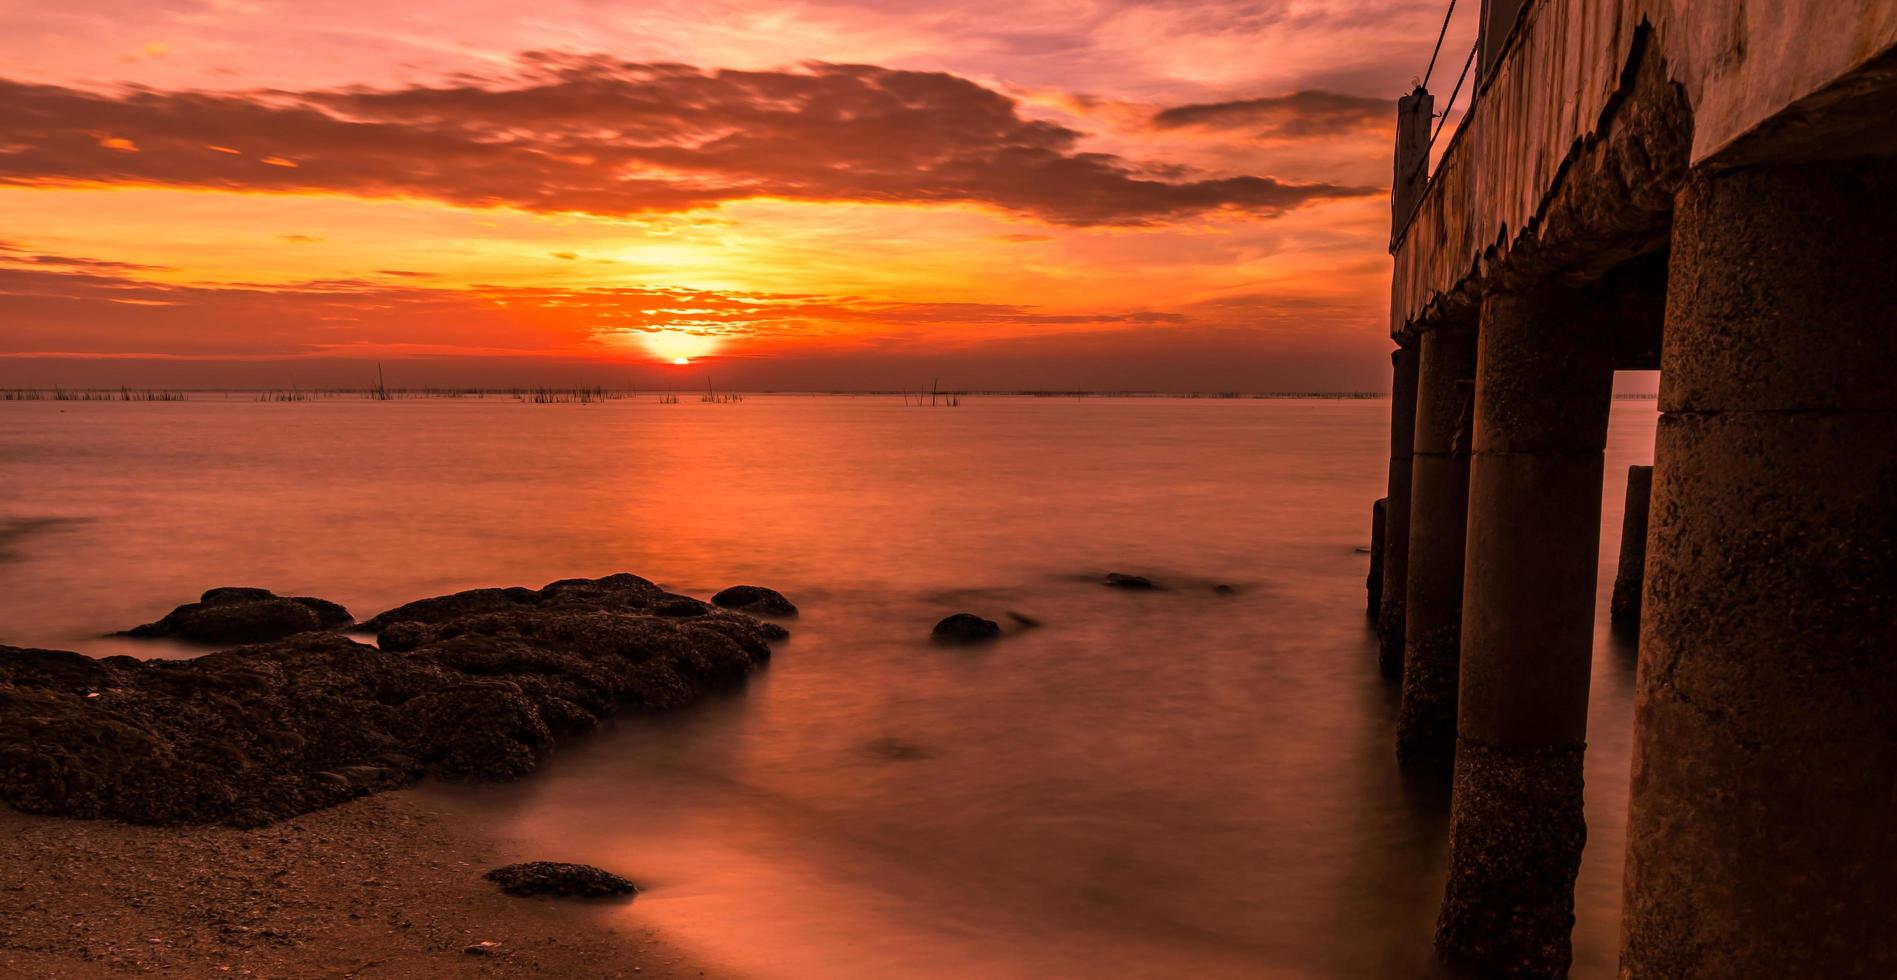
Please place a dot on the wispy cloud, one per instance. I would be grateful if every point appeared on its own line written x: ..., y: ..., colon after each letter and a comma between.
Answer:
x: 62, y: 312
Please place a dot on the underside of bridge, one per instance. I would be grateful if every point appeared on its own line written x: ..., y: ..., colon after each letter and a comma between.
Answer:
x: 1711, y: 191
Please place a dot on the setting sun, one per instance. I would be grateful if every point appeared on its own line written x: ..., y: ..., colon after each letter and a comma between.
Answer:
x: 673, y: 346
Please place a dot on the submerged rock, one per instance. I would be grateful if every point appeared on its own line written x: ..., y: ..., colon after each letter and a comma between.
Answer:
x: 560, y: 880
x: 965, y: 628
x: 240, y: 615
x: 756, y: 600
x: 462, y: 690
x: 897, y: 750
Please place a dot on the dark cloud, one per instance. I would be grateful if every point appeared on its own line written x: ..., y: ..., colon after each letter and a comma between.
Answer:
x: 600, y: 136
x: 18, y: 255
x: 1300, y: 115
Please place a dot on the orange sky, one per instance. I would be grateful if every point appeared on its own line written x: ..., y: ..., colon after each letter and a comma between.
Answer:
x: 1164, y: 194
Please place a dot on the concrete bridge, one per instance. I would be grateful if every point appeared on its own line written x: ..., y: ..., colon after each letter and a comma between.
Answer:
x: 1710, y: 189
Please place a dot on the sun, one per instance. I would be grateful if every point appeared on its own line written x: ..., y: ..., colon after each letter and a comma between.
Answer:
x: 678, y: 346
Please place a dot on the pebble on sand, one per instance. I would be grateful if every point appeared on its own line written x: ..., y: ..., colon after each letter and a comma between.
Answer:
x: 560, y: 880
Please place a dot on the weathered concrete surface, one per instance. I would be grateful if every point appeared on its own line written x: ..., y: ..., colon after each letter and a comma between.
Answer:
x: 1439, y: 505
x: 1560, y: 92
x: 1760, y: 836
x: 1509, y: 904
x: 1396, y: 528
x: 1520, y: 713
x: 1630, y: 572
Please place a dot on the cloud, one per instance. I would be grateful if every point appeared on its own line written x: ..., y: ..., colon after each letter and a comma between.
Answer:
x: 1299, y: 115
x: 595, y: 135
x: 78, y: 311
x: 11, y: 253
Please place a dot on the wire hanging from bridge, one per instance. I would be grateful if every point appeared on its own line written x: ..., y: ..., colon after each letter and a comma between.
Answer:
x: 1451, y: 104
x: 1448, y: 107
x: 1431, y: 70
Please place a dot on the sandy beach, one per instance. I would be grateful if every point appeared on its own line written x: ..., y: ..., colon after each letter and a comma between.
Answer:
x: 382, y: 886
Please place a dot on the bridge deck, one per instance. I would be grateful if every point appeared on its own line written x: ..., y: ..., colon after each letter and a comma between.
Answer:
x: 1758, y: 78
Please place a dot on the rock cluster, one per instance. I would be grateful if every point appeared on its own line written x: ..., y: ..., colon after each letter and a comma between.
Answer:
x: 559, y: 880
x: 475, y: 686
x: 234, y: 615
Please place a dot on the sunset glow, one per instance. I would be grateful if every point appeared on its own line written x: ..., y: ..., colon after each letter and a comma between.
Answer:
x: 825, y: 194
x: 677, y: 346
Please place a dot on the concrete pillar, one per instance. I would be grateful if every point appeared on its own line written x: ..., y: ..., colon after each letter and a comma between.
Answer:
x: 1762, y: 832
x: 1439, y: 504
x: 1543, y: 388
x: 1624, y: 610
x: 1373, y: 583
x: 1396, y: 521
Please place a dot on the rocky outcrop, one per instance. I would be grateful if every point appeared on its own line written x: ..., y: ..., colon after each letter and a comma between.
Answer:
x: 461, y: 688
x: 559, y: 880
x: 965, y: 628
x: 756, y: 600
x: 238, y: 615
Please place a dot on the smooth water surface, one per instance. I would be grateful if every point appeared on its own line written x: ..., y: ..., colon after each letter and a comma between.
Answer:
x: 1176, y: 783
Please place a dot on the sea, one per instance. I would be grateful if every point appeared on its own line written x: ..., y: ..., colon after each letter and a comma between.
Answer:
x: 1182, y: 782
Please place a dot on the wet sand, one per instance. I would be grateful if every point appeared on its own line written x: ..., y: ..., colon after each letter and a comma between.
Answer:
x: 385, y: 886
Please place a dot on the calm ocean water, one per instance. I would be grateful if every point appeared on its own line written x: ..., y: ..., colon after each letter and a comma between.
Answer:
x: 1148, y: 785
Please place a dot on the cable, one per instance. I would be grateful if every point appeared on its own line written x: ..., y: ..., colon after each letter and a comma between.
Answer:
x: 1452, y: 96
x: 1444, y: 120
x: 1431, y: 70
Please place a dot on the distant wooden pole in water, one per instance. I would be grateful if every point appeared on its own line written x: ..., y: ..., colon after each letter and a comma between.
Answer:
x: 1516, y: 828
x: 1629, y: 573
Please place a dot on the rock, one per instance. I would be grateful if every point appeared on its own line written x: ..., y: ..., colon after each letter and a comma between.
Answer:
x: 240, y: 615
x: 1119, y: 581
x: 445, y: 607
x: 1224, y: 590
x: 461, y: 689
x: 897, y: 750
x: 756, y: 600
x: 965, y: 628
x: 560, y: 880
x: 482, y: 948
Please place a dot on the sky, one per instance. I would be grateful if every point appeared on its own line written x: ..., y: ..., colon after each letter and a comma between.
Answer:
x: 1177, y: 195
